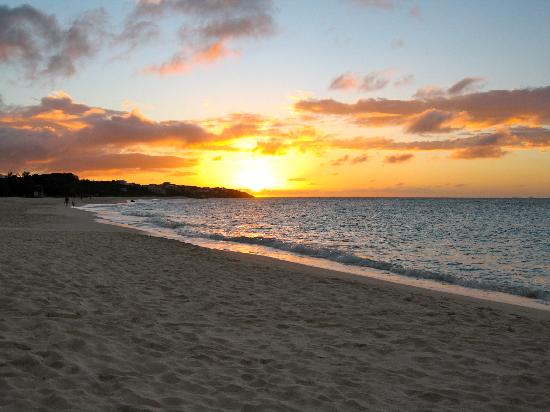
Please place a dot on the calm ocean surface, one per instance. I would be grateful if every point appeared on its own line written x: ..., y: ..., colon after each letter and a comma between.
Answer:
x: 493, y: 244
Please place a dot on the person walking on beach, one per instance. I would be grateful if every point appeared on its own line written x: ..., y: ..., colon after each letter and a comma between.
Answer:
x: 66, y: 201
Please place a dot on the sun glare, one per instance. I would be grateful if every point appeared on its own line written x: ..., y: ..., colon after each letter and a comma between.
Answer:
x: 257, y: 175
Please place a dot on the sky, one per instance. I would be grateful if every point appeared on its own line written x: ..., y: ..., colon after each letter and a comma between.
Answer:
x: 282, y: 98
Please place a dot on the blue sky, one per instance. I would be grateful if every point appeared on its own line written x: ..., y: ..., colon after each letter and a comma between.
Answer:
x: 361, y: 97
x: 506, y: 42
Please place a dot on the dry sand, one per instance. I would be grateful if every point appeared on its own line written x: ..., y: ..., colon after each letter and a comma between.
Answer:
x: 95, y: 317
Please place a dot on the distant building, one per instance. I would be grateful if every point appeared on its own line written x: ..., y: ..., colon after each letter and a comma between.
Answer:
x: 37, y: 191
x: 168, y: 185
x: 158, y: 189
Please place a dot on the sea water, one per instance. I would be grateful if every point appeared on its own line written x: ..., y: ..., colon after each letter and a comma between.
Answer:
x: 492, y: 244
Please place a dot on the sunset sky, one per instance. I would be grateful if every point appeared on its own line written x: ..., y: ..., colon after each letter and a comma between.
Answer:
x: 282, y: 98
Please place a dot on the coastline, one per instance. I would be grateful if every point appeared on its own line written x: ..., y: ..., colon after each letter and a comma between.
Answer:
x: 343, y: 271
x: 103, y: 317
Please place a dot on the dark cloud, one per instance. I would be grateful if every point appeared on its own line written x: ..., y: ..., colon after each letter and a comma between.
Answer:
x: 131, y: 129
x: 78, y: 42
x: 430, y: 121
x: 466, y: 85
x: 19, y: 146
x: 136, y: 33
x: 36, y: 42
x: 398, y: 158
x: 59, y: 102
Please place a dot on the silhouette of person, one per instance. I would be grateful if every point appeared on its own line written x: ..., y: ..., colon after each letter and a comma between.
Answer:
x: 72, y: 202
x: 66, y: 201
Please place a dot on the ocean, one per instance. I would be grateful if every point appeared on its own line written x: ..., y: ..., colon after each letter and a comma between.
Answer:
x: 490, y: 244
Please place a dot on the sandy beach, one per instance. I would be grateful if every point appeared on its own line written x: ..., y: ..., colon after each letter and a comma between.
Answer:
x: 97, y: 317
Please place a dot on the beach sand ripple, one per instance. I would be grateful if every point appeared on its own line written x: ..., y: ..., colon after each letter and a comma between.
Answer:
x: 95, y: 317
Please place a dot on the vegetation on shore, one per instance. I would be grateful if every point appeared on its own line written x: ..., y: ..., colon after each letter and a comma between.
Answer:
x: 68, y: 184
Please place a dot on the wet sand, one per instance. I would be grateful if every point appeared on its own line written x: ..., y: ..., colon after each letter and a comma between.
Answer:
x: 96, y: 317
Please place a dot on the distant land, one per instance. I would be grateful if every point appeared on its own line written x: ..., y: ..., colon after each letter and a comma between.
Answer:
x: 69, y: 184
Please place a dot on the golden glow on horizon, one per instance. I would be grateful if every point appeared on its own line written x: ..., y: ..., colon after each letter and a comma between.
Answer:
x: 257, y: 174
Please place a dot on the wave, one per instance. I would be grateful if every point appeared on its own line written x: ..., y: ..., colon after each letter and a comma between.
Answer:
x: 354, y: 260
x: 189, y: 230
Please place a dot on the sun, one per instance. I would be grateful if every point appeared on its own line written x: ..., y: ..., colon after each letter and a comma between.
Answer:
x: 257, y: 175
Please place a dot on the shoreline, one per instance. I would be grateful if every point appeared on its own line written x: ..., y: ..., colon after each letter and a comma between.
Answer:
x: 98, y: 317
x: 352, y: 273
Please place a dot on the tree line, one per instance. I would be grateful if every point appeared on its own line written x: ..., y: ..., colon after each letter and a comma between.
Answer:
x: 70, y: 185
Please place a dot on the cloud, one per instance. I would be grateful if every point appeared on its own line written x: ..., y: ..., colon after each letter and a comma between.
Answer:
x: 347, y: 159
x: 340, y: 161
x: 398, y: 158
x: 184, y: 62
x: 118, y: 161
x: 429, y: 92
x: 376, y: 80
x: 59, y: 133
x: 481, y: 109
x: 479, y: 152
x: 429, y: 121
x: 18, y: 146
x: 207, y: 28
x: 346, y: 81
x: 272, y: 147
x: 468, y: 84
x: 404, y: 80
x: 359, y: 159
x: 397, y: 43
x: 481, y: 145
x: 36, y: 42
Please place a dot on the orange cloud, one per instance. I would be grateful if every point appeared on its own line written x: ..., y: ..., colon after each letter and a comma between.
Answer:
x: 206, y: 29
x: 398, y: 158
x: 57, y: 130
x: 487, y: 109
x: 347, y: 159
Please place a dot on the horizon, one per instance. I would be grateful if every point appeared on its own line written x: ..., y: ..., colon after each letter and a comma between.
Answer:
x: 363, y: 98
